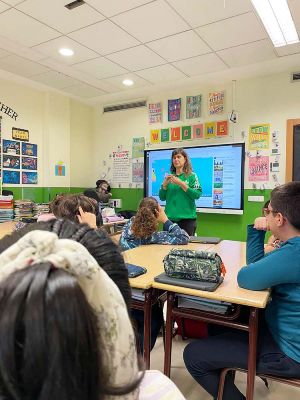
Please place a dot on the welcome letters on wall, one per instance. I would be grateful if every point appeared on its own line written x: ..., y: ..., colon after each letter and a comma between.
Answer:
x: 8, y: 110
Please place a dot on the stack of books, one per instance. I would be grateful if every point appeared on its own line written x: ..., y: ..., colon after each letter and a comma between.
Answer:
x: 6, y: 208
x: 23, y: 209
x: 40, y: 208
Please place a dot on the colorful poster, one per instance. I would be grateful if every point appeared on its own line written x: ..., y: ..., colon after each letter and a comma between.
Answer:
x: 11, y: 162
x: 121, y: 166
x: 216, y: 103
x: 12, y: 177
x: 11, y: 147
x: 29, y: 163
x: 138, y: 172
x: 165, y: 135
x: 155, y: 113
x: 186, y: 132
x: 258, y: 169
x: 198, y: 131
x: 259, y: 136
x: 193, y: 107
x: 29, y: 178
x: 60, y: 169
x: 29, y: 149
x: 138, y: 146
x: 210, y: 130
x: 175, y: 133
x: 20, y: 134
x: 154, y: 136
x: 174, y: 109
x: 222, y: 128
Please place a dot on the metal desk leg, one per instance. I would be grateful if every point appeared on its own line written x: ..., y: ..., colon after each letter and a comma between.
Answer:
x: 147, y: 326
x: 169, y: 333
x: 253, y: 325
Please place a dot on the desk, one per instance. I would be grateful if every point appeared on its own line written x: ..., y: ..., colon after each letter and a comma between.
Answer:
x: 234, y: 256
x: 111, y: 227
x: 151, y: 257
x: 6, y: 228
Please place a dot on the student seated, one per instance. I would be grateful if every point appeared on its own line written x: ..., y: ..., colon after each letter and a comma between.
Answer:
x: 143, y: 227
x: 278, y: 350
x: 101, y: 193
x: 261, y: 223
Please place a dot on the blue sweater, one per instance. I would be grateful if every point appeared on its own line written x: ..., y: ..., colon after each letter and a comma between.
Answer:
x: 279, y: 270
x: 171, y: 234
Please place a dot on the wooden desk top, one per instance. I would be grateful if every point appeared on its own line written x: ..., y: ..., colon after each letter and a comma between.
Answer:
x: 151, y: 256
x: 6, y: 228
x: 234, y: 257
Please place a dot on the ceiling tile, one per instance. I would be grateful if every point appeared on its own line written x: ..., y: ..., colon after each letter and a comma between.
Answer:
x: 55, y: 14
x: 295, y: 11
x: 20, y: 50
x: 201, y: 64
x: 180, y: 46
x: 84, y: 90
x: 204, y: 12
x: 109, y: 37
x: 136, y: 58
x: 21, y: 66
x: 13, y: 2
x: 161, y: 74
x: 233, y: 31
x: 3, y: 6
x: 4, y: 53
x: 117, y: 81
x: 23, y: 29
x: 110, y: 8
x: 151, y: 21
x: 50, y: 49
x: 100, y: 68
x: 55, y: 79
x: 287, y: 50
x: 250, y: 53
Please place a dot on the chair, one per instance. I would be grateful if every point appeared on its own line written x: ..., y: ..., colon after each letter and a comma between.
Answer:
x: 264, y: 377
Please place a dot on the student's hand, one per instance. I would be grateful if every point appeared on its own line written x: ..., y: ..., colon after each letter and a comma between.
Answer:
x: 161, y: 215
x: 261, y: 224
x: 87, y: 218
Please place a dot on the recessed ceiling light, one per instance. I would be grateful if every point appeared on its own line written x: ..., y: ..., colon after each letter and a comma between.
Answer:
x: 128, y: 82
x: 66, y: 52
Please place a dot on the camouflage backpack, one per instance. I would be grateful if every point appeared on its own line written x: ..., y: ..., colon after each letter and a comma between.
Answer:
x: 194, y: 265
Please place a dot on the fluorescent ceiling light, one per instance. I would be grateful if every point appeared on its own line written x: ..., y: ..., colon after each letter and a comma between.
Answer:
x: 278, y: 21
x: 66, y: 52
x: 128, y: 82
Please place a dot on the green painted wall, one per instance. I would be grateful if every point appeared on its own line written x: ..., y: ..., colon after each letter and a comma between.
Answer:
x: 226, y: 226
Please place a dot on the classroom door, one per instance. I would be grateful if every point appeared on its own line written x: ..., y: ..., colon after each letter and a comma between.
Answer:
x: 292, y: 172
x: 296, y: 153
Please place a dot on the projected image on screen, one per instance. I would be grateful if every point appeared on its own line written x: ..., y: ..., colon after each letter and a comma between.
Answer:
x: 219, y: 169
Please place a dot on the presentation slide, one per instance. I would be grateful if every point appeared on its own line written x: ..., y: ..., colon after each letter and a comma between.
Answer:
x: 219, y: 169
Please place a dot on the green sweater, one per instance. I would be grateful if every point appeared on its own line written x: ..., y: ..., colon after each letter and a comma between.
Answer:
x: 181, y: 204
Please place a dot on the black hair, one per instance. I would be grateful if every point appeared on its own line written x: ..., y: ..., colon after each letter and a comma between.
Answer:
x: 100, y: 182
x: 286, y: 199
x: 98, y: 243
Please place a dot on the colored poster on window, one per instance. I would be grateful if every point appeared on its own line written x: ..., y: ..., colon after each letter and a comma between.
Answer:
x: 174, y: 109
x: 138, y: 146
x: 11, y: 162
x: 222, y: 128
x: 258, y: 169
x: 210, y: 130
x: 12, y: 177
x: 198, y: 131
x: 11, y: 147
x: 216, y: 103
x: 175, y: 134
x: 186, y: 132
x: 193, y: 107
x: 29, y: 178
x: 138, y: 172
x: 155, y: 113
x: 165, y: 135
x: 29, y: 163
x: 155, y: 136
x: 29, y: 149
x: 259, y: 136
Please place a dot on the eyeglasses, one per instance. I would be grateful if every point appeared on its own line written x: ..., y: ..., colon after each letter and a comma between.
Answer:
x: 267, y: 211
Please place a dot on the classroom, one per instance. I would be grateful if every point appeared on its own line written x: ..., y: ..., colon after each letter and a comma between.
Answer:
x: 91, y: 90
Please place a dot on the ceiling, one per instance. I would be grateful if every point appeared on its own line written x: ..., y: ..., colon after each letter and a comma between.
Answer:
x: 159, y: 44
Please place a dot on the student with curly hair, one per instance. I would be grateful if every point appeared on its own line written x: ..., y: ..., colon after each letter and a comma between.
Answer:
x: 180, y: 189
x: 143, y: 227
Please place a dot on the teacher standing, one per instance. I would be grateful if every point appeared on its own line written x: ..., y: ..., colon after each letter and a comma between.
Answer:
x: 180, y: 189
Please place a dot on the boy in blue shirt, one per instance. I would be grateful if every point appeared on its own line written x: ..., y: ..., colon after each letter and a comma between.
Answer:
x: 279, y: 340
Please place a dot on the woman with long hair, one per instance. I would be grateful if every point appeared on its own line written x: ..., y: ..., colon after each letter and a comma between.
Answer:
x: 180, y: 189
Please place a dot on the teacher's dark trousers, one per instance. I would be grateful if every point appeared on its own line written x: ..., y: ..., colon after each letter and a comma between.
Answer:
x: 189, y: 225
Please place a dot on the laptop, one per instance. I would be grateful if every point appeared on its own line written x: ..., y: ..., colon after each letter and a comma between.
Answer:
x: 205, y: 239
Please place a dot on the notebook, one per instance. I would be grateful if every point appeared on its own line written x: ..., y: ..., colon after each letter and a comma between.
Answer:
x: 205, y: 239
x: 198, y: 285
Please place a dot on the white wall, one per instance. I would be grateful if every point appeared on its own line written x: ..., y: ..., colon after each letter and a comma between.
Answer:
x: 271, y: 99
